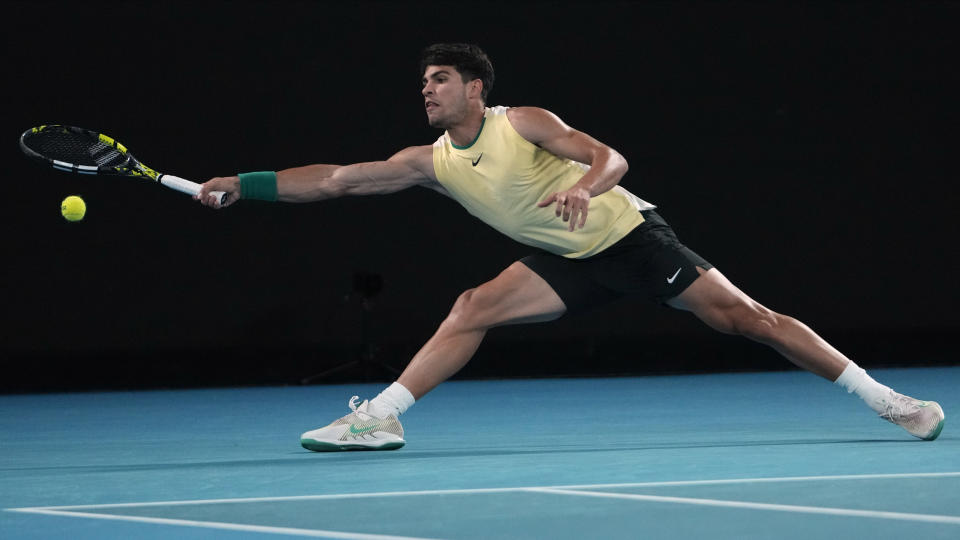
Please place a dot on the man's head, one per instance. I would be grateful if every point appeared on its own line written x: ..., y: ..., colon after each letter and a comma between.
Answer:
x: 453, y: 75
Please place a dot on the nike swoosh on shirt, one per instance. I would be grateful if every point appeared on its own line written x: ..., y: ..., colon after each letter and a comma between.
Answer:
x: 675, y: 274
x: 477, y: 160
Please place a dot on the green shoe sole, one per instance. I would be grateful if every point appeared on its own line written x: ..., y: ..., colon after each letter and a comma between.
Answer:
x: 317, y: 446
x: 936, y: 432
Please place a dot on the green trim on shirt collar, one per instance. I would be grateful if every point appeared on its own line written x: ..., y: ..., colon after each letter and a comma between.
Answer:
x: 479, y: 131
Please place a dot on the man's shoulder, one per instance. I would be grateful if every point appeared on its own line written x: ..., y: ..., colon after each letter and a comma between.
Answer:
x: 417, y: 157
x: 414, y: 152
x: 527, y: 113
x: 532, y: 122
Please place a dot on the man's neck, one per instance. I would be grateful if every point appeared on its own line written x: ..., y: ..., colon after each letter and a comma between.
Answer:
x: 466, y: 132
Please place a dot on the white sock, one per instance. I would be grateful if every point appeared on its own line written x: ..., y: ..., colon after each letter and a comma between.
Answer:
x: 856, y: 381
x: 395, y: 400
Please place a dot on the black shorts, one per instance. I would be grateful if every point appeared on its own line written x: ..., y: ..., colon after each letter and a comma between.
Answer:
x: 649, y: 261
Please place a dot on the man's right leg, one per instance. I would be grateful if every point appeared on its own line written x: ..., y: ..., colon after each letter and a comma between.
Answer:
x: 518, y: 295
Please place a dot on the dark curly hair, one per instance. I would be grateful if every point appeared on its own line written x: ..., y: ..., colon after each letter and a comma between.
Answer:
x: 468, y: 59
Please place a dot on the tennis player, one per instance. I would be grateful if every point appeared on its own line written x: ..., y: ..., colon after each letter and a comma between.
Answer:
x: 527, y: 174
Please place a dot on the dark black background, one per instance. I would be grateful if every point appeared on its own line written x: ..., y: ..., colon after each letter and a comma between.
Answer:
x: 807, y: 150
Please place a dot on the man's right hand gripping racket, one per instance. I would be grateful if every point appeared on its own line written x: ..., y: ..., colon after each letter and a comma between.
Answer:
x: 78, y: 150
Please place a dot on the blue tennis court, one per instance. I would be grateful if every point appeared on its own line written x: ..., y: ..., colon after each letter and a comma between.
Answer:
x: 772, y: 455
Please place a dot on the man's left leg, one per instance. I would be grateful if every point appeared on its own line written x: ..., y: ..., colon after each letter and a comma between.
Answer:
x: 724, y: 307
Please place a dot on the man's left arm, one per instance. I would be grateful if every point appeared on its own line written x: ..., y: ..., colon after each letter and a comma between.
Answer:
x: 607, y: 166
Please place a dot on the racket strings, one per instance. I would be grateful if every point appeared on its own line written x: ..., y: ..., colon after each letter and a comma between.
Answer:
x: 105, y: 154
x: 75, y: 148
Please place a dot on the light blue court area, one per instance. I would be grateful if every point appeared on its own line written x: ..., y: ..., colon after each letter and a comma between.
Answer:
x: 774, y: 455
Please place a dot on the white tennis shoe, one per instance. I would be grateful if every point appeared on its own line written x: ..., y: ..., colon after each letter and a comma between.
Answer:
x: 923, y: 419
x: 358, y: 430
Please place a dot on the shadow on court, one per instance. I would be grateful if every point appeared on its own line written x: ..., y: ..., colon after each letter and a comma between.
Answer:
x: 297, y: 459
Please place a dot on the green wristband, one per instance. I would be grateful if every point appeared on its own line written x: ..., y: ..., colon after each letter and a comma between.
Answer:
x: 261, y: 186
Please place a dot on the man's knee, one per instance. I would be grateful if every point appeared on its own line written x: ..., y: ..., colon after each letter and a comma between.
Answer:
x: 757, y: 323
x: 470, y: 309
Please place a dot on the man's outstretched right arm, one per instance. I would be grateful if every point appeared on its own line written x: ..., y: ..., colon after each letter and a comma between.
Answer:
x: 409, y: 167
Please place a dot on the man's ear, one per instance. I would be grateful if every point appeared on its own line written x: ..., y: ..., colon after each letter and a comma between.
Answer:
x: 476, y: 88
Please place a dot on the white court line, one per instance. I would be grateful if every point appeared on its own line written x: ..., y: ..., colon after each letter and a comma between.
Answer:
x: 281, y: 498
x: 932, y: 518
x: 229, y: 526
x: 563, y: 490
x: 497, y: 490
x: 765, y: 480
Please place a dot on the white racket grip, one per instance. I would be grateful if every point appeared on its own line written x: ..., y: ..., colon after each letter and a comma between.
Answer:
x: 186, y: 186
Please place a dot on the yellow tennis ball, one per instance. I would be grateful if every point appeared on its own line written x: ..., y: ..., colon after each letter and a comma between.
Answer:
x: 73, y: 208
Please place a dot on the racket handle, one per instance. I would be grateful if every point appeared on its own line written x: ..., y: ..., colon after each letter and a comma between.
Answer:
x: 186, y: 186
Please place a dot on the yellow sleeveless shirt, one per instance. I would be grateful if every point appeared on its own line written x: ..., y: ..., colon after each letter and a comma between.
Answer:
x: 500, y: 177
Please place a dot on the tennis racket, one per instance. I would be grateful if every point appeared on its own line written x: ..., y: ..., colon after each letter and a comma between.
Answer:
x: 78, y: 150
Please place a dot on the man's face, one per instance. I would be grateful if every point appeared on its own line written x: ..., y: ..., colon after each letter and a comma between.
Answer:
x: 445, y: 96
